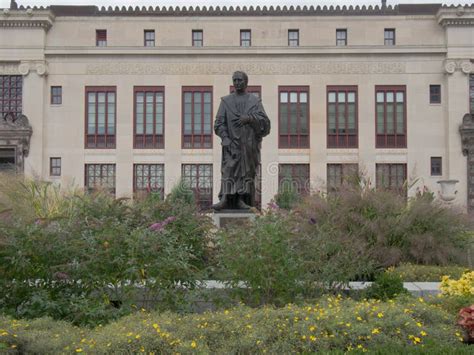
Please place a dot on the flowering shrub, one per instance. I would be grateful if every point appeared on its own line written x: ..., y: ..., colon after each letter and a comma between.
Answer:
x: 462, y: 287
x: 466, y: 320
x: 329, y: 324
x: 426, y: 273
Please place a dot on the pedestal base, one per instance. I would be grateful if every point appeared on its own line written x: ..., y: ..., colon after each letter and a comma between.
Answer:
x: 227, y: 218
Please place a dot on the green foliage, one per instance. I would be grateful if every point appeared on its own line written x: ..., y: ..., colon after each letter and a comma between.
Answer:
x: 387, y: 285
x: 330, y: 324
x: 89, y: 268
x: 181, y: 193
x: 427, y: 273
x: 282, y: 257
x: 259, y: 254
x: 389, y: 230
x: 288, y: 196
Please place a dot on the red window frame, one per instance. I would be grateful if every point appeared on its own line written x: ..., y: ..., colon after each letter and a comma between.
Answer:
x: 56, y: 95
x: 11, y: 87
x: 55, y: 166
x: 347, y: 139
x: 246, y: 40
x: 148, y: 42
x: 395, y: 139
x: 144, y: 140
x: 103, y: 174
x: 298, y: 175
x: 96, y: 140
x: 289, y: 140
x: 395, y: 184
x: 101, y: 38
x: 145, y: 174
x: 344, y: 172
x: 203, y: 195
x: 199, y: 140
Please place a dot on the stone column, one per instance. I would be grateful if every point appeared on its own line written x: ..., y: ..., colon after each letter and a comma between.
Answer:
x: 34, y: 91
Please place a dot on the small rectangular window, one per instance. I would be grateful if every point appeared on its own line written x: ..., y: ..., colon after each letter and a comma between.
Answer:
x: 339, y: 174
x: 341, y: 37
x: 293, y: 38
x: 436, y: 166
x: 245, y: 38
x: 56, y: 95
x: 435, y: 94
x: 197, y: 38
x: 389, y: 37
x: 101, y: 38
x: 55, y: 166
x: 149, y: 38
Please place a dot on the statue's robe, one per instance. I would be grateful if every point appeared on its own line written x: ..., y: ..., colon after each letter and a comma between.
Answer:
x: 241, y: 158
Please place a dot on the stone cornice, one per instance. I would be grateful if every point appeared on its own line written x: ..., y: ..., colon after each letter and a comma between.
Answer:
x: 27, y: 19
x: 403, y: 10
x: 456, y: 16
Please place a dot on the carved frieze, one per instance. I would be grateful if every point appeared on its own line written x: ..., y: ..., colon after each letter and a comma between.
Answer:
x: 41, y: 67
x: 263, y: 68
x: 9, y: 69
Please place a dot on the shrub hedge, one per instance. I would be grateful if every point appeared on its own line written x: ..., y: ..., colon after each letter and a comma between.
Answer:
x: 333, y: 323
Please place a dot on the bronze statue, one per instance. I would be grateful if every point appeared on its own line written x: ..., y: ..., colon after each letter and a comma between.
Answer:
x: 241, y: 123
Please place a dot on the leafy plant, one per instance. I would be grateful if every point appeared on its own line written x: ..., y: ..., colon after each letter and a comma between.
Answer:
x: 387, y: 285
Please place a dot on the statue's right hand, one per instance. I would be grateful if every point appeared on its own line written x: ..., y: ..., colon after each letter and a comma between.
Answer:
x: 226, y: 141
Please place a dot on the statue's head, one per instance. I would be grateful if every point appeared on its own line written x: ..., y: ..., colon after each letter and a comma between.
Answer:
x: 240, y: 81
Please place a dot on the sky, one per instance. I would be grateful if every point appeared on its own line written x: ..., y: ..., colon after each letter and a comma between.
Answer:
x: 6, y: 3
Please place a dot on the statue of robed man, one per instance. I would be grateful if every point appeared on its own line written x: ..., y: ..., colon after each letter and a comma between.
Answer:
x: 241, y: 123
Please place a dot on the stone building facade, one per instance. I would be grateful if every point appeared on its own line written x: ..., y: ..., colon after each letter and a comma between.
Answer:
x: 126, y: 97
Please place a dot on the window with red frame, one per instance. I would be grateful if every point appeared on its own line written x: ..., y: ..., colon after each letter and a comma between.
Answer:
x: 390, y: 102
x: 294, y: 177
x: 11, y: 94
x: 199, y: 178
x: 197, y: 117
x: 338, y: 174
x: 149, y: 108
x: 101, y: 38
x: 342, y: 117
x: 100, y: 176
x: 100, y: 117
x: 391, y: 177
x: 149, y: 178
x: 294, y: 117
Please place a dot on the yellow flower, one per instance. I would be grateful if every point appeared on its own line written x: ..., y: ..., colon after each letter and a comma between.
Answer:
x: 416, y: 340
x: 348, y: 324
x: 78, y: 350
x: 423, y: 333
x: 359, y: 319
x: 193, y: 344
x: 137, y: 336
x: 312, y: 338
x: 418, y: 324
x: 375, y: 331
x: 380, y: 315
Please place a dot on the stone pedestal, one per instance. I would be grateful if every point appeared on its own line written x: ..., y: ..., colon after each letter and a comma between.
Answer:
x: 227, y: 218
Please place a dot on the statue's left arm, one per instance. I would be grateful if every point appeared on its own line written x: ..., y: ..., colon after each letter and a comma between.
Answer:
x: 259, y: 120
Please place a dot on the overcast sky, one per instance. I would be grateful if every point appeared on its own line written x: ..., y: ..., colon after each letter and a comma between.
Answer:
x: 6, y: 3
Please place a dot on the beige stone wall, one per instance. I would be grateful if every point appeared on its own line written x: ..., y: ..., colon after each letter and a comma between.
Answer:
x: 68, y: 52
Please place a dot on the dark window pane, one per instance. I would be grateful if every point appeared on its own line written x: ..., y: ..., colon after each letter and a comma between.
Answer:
x: 436, y: 166
x: 435, y: 94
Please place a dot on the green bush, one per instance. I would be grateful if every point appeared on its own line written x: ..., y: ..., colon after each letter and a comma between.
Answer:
x: 330, y: 324
x: 427, y: 273
x: 389, y: 229
x: 387, y: 285
x: 89, y: 262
